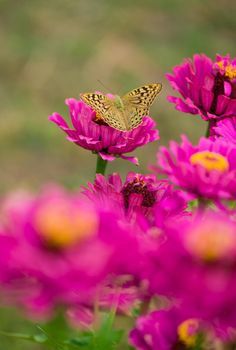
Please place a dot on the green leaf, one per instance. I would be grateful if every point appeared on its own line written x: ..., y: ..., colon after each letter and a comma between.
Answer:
x: 107, y: 337
x: 18, y: 335
x: 83, y: 341
x: 37, y: 338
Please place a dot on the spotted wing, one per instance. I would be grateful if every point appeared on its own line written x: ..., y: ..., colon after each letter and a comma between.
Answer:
x: 138, y: 102
x: 99, y: 102
x: 106, y: 109
x: 116, y: 119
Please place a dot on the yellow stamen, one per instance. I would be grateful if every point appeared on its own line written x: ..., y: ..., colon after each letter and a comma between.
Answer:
x: 220, y: 64
x: 210, y: 161
x: 229, y: 70
x: 211, y: 240
x: 188, y: 331
x: 61, y: 226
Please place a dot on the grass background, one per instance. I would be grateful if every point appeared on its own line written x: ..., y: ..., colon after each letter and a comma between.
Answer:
x: 51, y: 50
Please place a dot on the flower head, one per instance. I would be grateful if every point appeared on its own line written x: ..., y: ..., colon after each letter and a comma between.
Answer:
x: 139, y: 194
x: 91, y: 133
x: 207, y: 170
x: 196, y: 265
x: 58, y: 248
x: 207, y: 88
x: 165, y: 330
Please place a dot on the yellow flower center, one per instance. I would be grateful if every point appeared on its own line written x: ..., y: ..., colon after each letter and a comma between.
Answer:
x: 211, y: 240
x: 210, y: 161
x: 229, y: 70
x: 61, y: 226
x: 188, y: 331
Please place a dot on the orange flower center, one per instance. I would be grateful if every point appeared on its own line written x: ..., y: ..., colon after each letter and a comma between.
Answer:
x: 210, y: 161
x: 228, y: 70
x: 188, y: 331
x: 211, y: 241
x: 61, y: 226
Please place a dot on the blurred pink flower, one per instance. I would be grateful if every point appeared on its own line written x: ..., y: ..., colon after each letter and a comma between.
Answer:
x: 207, y: 170
x: 165, y: 330
x: 196, y: 266
x: 208, y: 88
x: 59, y: 248
x: 92, y: 134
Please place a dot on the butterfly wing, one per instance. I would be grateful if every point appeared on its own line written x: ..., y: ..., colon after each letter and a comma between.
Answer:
x: 99, y: 102
x: 115, y: 118
x: 142, y: 96
x: 106, y: 109
x: 138, y: 102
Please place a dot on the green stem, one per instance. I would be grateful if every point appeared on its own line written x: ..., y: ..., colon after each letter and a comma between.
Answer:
x: 36, y: 338
x: 145, y: 307
x: 17, y: 335
x: 199, y: 342
x: 203, y: 203
x: 208, y: 129
x: 101, y: 165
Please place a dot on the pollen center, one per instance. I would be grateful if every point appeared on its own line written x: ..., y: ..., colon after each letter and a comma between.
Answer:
x: 188, y: 331
x: 211, y: 241
x: 61, y: 226
x: 210, y: 161
x: 228, y: 70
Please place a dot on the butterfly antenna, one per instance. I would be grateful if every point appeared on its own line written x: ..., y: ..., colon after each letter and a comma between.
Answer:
x: 109, y: 90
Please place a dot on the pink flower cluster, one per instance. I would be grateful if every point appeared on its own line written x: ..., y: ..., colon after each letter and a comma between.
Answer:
x: 161, y: 245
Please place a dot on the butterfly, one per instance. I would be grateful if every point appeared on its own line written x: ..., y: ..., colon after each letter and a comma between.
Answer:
x: 123, y: 113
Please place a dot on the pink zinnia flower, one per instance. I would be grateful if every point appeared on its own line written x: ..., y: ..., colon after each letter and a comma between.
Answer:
x: 57, y: 248
x: 226, y: 129
x: 165, y: 330
x: 196, y: 265
x: 208, y: 88
x: 207, y: 170
x: 139, y: 194
x: 91, y: 133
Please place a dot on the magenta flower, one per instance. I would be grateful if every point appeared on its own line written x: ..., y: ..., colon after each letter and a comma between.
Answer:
x: 207, y: 88
x: 58, y: 248
x: 207, y: 170
x: 226, y: 129
x: 137, y: 191
x: 165, y: 330
x: 91, y: 133
x: 196, y: 265
x: 139, y: 194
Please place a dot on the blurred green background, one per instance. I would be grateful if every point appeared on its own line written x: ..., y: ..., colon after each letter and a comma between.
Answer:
x: 51, y: 50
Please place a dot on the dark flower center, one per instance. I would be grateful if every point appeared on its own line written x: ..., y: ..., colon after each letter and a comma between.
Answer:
x: 218, y: 88
x: 179, y: 346
x: 233, y: 93
x: 138, y: 187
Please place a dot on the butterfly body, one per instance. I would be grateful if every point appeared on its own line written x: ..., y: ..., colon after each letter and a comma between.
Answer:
x: 123, y: 113
x: 119, y: 110
x: 118, y: 102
